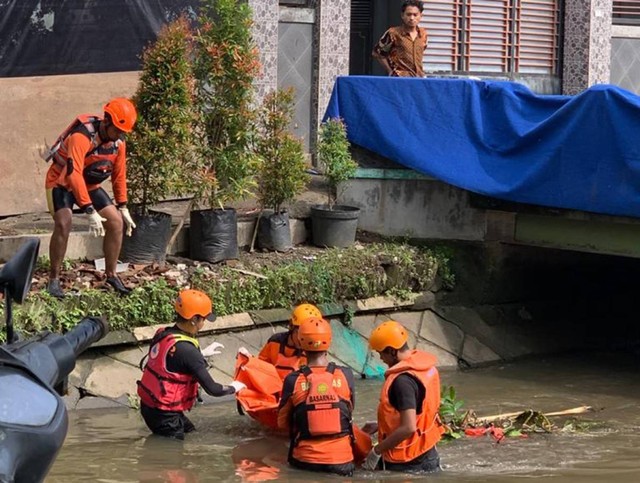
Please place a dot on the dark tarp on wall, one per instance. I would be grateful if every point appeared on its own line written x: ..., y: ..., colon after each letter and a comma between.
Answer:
x: 50, y: 37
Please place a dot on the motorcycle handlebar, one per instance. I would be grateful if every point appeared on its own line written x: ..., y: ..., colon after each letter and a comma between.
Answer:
x: 88, y: 331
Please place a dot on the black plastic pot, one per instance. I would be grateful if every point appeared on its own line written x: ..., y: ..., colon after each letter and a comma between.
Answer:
x: 274, y: 232
x: 148, y: 243
x: 334, y: 227
x: 213, y: 235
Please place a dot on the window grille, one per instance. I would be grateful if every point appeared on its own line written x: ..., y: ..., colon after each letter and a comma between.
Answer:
x: 626, y: 12
x: 492, y: 36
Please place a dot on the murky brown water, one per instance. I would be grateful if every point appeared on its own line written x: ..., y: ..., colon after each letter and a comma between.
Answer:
x: 114, y: 446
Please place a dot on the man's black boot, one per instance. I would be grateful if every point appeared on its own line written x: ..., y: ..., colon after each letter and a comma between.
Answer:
x: 116, y: 283
x: 55, y: 289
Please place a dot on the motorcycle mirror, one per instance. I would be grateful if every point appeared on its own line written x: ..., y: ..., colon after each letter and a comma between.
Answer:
x: 17, y: 273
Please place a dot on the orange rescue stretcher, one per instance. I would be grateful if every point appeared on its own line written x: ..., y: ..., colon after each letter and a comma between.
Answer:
x: 261, y: 398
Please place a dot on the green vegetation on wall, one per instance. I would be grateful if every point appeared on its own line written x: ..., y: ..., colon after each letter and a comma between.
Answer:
x: 334, y: 275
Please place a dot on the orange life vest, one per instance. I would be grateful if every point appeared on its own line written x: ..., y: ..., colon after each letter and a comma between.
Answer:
x: 161, y: 389
x: 99, y: 161
x: 420, y: 365
x: 285, y: 358
x: 321, y: 426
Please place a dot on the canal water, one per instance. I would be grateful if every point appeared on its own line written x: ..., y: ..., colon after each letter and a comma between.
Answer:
x: 114, y: 445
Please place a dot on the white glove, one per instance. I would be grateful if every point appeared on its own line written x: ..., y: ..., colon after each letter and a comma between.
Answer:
x: 372, y: 459
x: 244, y: 351
x: 238, y: 386
x: 127, y: 220
x: 212, y: 349
x: 95, y: 224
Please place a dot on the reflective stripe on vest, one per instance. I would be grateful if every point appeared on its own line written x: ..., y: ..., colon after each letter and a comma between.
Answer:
x: 429, y: 429
x: 161, y: 389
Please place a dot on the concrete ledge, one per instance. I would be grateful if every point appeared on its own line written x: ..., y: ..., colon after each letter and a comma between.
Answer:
x: 84, y: 246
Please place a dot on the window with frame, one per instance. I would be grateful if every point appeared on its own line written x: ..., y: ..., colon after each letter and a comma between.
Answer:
x: 492, y: 36
x: 626, y: 12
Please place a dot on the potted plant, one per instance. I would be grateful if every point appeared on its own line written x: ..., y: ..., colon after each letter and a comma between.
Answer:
x: 226, y: 66
x: 162, y: 141
x: 282, y: 169
x: 334, y: 225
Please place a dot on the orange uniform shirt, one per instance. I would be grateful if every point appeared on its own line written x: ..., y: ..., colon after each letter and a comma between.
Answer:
x: 77, y: 146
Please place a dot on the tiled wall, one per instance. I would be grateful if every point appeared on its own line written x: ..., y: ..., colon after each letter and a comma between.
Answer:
x: 333, y: 26
x: 265, y: 33
x: 587, y: 44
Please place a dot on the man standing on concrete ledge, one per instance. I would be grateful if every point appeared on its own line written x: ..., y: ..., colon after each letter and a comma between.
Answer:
x: 400, y: 49
x: 88, y: 152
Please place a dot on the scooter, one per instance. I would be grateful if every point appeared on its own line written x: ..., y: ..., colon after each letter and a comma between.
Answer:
x: 33, y: 416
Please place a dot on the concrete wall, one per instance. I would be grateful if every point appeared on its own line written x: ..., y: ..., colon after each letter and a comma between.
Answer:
x: 417, y: 208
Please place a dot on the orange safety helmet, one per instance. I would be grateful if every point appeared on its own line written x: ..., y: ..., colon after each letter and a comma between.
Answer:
x: 194, y: 302
x: 315, y: 334
x: 303, y: 312
x: 388, y: 334
x: 123, y: 113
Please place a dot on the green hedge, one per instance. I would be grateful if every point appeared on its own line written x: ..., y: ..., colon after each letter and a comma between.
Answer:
x: 334, y: 275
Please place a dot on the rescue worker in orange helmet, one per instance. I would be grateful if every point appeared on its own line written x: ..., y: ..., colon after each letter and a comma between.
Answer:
x: 316, y: 406
x: 175, y: 367
x: 282, y: 349
x: 87, y: 153
x: 408, y: 423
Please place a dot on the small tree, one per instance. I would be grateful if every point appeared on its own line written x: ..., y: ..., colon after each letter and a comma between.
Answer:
x: 282, y: 170
x: 335, y: 157
x: 163, y: 141
x: 226, y: 66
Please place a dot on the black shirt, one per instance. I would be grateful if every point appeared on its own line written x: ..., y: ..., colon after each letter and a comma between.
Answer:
x: 406, y: 392
x: 186, y: 358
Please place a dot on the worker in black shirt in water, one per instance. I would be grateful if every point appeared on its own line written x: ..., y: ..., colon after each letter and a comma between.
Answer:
x: 175, y: 367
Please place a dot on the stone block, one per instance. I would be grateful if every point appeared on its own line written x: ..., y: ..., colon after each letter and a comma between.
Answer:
x: 83, y: 367
x: 245, y: 232
x: 349, y: 346
x: 364, y: 324
x: 270, y: 316
x: 112, y: 379
x: 442, y: 333
x: 331, y: 309
x: 143, y: 334
x: 257, y: 338
x: 131, y: 356
x: 475, y: 353
x: 426, y: 300
x: 228, y: 322
x: 374, y: 368
x: 383, y: 303
x: 445, y: 359
x: 71, y: 398
x: 116, y: 337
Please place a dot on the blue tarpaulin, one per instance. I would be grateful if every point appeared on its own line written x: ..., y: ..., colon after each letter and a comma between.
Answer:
x: 502, y: 140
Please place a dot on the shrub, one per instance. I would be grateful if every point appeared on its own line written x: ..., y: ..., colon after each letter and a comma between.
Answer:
x: 335, y: 157
x: 163, y: 141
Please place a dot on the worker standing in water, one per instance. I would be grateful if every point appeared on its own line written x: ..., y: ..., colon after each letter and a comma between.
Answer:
x: 175, y: 368
x: 283, y: 349
x: 316, y: 406
x: 408, y: 423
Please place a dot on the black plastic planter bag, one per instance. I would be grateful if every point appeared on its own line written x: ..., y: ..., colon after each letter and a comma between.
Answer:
x: 213, y: 235
x: 274, y: 232
x: 148, y: 243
